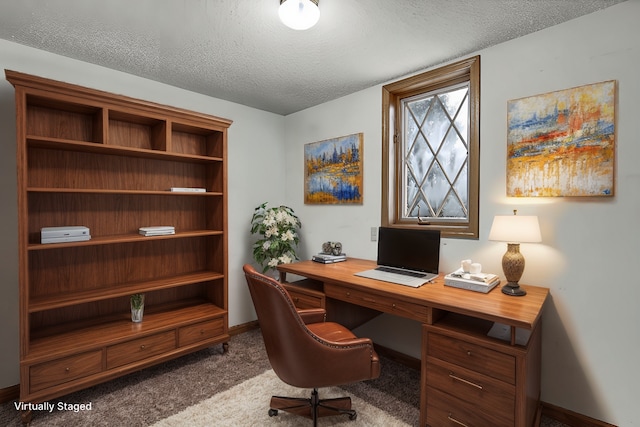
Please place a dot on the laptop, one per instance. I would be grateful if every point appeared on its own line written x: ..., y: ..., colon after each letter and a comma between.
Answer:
x: 406, y: 257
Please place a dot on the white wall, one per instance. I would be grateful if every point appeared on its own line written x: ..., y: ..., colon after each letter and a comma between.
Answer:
x: 590, y: 324
x: 255, y: 152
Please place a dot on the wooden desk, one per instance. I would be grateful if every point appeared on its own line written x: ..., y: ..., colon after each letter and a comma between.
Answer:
x: 467, y: 377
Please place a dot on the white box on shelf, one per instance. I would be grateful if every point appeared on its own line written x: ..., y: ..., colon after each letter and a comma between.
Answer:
x: 188, y: 190
x: 75, y: 233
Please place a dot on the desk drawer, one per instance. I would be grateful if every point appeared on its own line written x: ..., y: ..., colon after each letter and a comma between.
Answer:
x: 485, y: 393
x: 384, y: 303
x: 306, y: 299
x: 200, y: 331
x: 444, y: 410
x: 64, y: 370
x: 474, y: 357
x: 139, y: 349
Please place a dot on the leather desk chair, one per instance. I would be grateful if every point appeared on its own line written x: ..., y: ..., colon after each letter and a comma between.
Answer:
x: 307, y: 352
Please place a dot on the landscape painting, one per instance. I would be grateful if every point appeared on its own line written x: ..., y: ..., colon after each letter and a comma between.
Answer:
x: 333, y: 171
x: 562, y: 143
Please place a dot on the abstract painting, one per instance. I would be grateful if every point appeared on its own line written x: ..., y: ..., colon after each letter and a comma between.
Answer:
x: 333, y: 171
x: 562, y: 143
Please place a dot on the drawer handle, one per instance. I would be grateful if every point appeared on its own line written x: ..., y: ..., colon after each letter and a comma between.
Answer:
x: 67, y: 369
x: 367, y: 299
x: 457, y: 378
x: 142, y: 347
x: 453, y: 420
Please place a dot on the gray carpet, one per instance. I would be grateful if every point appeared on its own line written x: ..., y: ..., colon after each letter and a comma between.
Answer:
x: 146, y: 397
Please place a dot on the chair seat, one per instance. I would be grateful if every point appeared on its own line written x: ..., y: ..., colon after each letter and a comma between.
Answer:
x: 331, y: 331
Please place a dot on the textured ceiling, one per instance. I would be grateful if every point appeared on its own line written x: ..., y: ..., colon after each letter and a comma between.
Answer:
x: 239, y: 51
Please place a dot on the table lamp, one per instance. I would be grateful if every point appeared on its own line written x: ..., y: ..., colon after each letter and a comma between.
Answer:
x: 514, y: 229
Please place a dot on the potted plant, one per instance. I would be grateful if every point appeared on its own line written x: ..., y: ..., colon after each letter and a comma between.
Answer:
x: 278, y: 230
x: 137, y: 307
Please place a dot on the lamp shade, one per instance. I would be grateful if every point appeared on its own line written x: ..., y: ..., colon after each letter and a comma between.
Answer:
x: 299, y: 14
x: 515, y: 229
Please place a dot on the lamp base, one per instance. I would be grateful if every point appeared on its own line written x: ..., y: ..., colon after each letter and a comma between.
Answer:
x: 513, y: 289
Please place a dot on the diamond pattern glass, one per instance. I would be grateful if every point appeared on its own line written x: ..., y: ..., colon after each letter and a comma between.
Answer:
x: 435, y: 154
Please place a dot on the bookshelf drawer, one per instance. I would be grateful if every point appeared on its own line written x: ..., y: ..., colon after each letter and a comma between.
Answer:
x: 64, y: 370
x: 472, y: 356
x: 200, y: 331
x: 138, y: 349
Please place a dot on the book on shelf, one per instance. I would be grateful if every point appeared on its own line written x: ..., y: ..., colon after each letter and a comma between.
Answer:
x: 188, y: 190
x: 162, y: 230
x: 479, y: 282
x: 329, y: 259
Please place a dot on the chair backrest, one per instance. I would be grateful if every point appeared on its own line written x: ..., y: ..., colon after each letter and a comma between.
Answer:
x: 294, y: 351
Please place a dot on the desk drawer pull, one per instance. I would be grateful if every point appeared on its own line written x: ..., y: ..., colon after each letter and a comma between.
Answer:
x: 457, y: 378
x: 453, y: 420
x: 367, y: 299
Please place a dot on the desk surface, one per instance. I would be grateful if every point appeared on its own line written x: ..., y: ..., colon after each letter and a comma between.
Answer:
x: 522, y: 312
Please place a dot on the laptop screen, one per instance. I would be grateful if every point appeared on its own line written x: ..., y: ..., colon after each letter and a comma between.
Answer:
x: 409, y: 249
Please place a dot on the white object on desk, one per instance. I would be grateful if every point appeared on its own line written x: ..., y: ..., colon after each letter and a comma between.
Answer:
x: 479, y: 282
x: 475, y: 268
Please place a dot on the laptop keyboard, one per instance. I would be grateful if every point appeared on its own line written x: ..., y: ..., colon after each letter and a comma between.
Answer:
x: 399, y: 271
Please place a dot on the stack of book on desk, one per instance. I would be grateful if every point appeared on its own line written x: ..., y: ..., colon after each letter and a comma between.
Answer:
x: 162, y: 230
x: 479, y: 282
x: 329, y: 259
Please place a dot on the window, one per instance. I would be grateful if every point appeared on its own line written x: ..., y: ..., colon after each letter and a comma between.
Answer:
x: 431, y: 150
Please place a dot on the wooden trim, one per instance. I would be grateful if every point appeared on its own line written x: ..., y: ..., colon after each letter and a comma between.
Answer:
x: 571, y: 418
x: 392, y: 96
x: 245, y: 327
x: 10, y: 393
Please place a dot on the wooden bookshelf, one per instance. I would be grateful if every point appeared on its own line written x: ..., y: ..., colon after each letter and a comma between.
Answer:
x: 107, y: 162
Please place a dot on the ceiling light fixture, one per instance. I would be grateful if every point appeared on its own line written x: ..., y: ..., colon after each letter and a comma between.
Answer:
x: 299, y: 14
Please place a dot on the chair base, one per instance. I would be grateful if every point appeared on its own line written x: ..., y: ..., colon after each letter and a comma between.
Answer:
x: 312, y: 407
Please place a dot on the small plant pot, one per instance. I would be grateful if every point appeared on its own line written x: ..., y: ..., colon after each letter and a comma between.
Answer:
x: 137, y: 308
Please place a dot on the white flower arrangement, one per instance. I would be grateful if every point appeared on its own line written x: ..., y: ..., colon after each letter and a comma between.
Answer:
x: 278, y: 228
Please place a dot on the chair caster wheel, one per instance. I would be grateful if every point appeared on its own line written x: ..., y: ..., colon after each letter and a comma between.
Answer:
x: 353, y: 416
x: 273, y: 412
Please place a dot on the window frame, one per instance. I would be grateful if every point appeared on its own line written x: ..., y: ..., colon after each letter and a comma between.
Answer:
x: 467, y: 70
